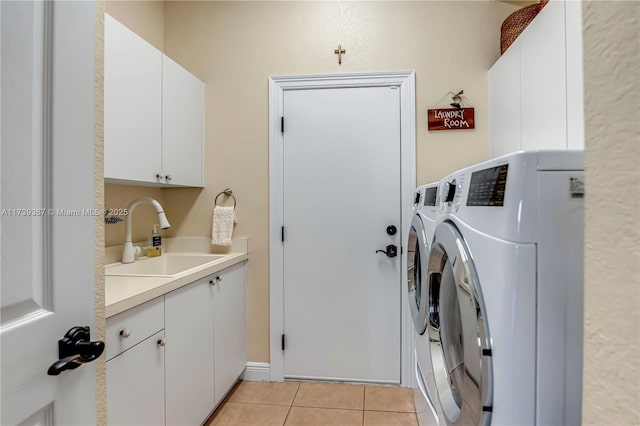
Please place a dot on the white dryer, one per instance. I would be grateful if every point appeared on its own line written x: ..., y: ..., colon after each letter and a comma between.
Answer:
x: 419, y: 243
x: 505, y: 287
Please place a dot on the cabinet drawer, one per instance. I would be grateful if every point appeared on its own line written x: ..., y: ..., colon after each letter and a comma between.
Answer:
x: 140, y: 322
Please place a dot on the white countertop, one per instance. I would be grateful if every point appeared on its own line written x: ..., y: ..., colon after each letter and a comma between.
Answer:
x: 126, y: 292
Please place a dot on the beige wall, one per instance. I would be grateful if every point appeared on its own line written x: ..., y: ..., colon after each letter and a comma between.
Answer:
x: 145, y: 17
x: 612, y: 213
x: 235, y: 46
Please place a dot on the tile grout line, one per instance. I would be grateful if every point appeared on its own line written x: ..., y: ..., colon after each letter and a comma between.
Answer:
x: 291, y: 405
x: 255, y: 403
x: 364, y: 401
x: 327, y: 408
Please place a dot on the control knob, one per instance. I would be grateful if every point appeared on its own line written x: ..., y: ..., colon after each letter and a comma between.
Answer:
x: 449, y: 191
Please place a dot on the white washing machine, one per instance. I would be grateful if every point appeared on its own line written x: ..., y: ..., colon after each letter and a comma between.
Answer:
x: 425, y: 210
x: 505, y: 287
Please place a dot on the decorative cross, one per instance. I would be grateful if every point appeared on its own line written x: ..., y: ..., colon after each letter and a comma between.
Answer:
x: 339, y: 51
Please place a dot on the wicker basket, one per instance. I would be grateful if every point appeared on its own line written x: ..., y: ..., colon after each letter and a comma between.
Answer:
x: 517, y: 22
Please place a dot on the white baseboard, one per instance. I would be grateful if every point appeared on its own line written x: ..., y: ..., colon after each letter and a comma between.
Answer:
x: 257, y: 372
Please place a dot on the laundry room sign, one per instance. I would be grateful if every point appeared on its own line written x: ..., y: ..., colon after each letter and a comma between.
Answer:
x: 450, y: 118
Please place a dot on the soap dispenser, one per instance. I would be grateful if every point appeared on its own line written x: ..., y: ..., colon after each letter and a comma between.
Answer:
x: 155, y: 243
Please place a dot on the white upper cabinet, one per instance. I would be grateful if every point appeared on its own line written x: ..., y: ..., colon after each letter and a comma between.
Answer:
x: 153, y: 113
x: 132, y: 105
x: 543, y: 80
x: 575, y: 76
x: 504, y: 102
x: 182, y: 124
x: 535, y: 88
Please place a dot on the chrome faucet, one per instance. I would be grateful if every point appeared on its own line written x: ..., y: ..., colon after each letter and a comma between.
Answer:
x: 129, y: 252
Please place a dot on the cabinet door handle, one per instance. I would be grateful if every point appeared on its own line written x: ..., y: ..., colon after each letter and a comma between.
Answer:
x: 125, y: 333
x: 212, y: 282
x: 158, y: 177
x: 168, y: 178
x: 162, y: 342
x: 218, y: 279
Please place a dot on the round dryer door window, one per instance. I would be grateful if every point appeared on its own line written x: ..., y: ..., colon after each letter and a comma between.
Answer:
x: 418, y: 252
x: 458, y: 332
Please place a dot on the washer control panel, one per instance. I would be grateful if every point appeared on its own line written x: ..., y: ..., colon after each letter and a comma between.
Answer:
x: 487, y: 187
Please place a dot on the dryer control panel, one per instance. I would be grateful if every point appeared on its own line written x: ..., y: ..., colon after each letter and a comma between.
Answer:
x: 451, y: 192
x: 430, y: 196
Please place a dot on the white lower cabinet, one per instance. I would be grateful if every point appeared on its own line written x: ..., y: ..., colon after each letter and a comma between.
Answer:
x: 189, y: 356
x: 183, y: 371
x: 230, y: 324
x: 135, y: 384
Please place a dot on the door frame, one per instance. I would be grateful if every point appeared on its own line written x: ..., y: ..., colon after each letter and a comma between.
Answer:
x: 405, y: 81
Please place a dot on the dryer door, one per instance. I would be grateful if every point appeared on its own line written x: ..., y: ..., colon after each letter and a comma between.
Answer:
x: 417, y: 256
x: 458, y: 332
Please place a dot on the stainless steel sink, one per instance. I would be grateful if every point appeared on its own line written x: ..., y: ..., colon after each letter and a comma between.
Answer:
x: 165, y: 266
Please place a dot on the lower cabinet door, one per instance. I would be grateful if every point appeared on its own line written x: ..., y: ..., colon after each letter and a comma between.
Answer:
x: 189, y: 353
x: 230, y: 327
x: 135, y: 384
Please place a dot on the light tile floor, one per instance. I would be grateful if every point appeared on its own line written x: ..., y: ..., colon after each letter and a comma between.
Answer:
x: 310, y: 403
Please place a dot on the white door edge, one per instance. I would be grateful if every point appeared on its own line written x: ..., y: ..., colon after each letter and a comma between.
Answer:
x: 405, y: 81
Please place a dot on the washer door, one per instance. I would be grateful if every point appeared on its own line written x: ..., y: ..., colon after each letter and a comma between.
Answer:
x: 458, y: 332
x: 418, y: 253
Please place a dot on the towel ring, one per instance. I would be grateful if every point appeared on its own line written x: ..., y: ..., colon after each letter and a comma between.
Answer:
x: 229, y: 193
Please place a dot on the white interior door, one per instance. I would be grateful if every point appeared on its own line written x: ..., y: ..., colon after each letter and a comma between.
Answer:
x: 341, y: 190
x: 47, y: 246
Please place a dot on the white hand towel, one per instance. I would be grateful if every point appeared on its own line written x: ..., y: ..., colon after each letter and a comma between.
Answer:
x: 222, y: 227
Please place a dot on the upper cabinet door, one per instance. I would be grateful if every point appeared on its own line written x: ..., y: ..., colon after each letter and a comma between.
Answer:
x: 575, y: 76
x: 132, y: 105
x: 543, y: 74
x: 182, y: 125
x: 504, y: 102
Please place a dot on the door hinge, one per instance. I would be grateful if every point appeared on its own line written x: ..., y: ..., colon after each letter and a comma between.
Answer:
x: 281, y: 124
x: 283, y: 342
x: 282, y: 234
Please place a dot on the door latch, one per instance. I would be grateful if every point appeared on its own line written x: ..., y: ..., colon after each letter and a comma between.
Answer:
x: 75, y: 349
x: 391, y: 251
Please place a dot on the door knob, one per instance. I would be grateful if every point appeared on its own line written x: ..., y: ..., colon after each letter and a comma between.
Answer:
x: 391, y: 230
x: 391, y: 251
x: 75, y: 349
